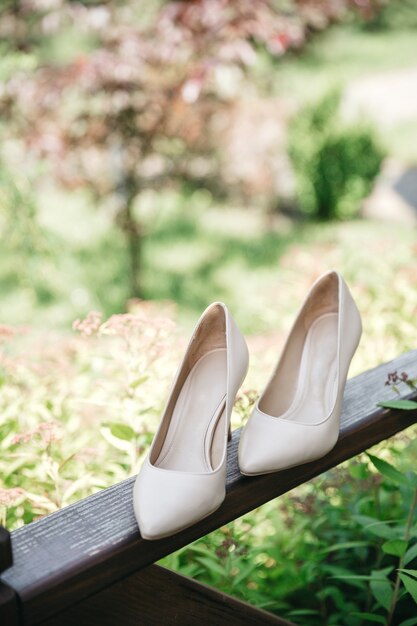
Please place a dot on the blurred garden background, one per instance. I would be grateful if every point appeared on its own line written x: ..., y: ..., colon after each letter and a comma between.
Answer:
x: 157, y: 156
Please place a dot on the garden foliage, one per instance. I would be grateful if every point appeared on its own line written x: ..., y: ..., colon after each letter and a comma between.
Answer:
x: 77, y: 414
x: 398, y: 14
x: 120, y: 99
x: 335, y: 162
x: 337, y: 551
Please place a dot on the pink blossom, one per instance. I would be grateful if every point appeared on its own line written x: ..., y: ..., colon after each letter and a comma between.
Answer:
x: 90, y: 325
x: 8, y: 497
x: 47, y: 431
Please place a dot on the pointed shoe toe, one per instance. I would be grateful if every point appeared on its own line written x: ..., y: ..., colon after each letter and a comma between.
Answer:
x: 183, y: 477
x: 166, y: 502
x: 267, y: 447
x: 297, y: 418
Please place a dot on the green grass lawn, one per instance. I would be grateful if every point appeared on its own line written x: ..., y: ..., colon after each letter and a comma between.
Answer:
x: 264, y: 273
x: 193, y: 256
x: 341, y: 54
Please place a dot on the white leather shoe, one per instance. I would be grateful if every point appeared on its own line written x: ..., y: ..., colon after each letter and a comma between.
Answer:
x: 183, y: 478
x: 296, y: 419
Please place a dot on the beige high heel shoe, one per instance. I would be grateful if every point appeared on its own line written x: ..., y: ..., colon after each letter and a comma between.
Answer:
x: 183, y: 478
x: 296, y: 419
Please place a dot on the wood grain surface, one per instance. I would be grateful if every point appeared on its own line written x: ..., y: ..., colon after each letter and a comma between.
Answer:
x: 9, y: 614
x: 9, y: 606
x: 6, y: 557
x: 89, y: 545
x: 157, y: 596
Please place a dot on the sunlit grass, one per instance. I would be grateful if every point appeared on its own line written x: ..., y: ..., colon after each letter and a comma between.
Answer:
x: 263, y: 272
x: 342, y: 54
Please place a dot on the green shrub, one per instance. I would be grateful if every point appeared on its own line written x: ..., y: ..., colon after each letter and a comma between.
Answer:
x: 335, y: 163
x: 340, y: 550
x: 401, y: 14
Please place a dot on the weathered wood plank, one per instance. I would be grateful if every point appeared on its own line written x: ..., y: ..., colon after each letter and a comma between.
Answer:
x: 85, y: 547
x: 156, y: 595
x: 9, y: 609
x: 6, y: 557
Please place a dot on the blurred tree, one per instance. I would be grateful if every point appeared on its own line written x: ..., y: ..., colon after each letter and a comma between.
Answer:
x: 136, y: 106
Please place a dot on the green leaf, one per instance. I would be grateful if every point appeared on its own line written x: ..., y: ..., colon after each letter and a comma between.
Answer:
x: 382, y: 589
x: 212, y: 566
x: 409, y: 583
x: 244, y: 573
x: 410, y: 555
x: 342, y: 573
x: 147, y: 409
x: 409, y: 572
x: 359, y: 471
x: 412, y: 477
x: 333, y: 592
x: 388, y: 470
x: 371, y: 617
x: 396, y: 547
x: 199, y: 549
x: 139, y: 381
x: 376, y: 527
x: 347, y: 545
x: 352, y: 576
x: 122, y: 431
x: 300, y: 612
x: 409, y: 622
x: 380, y: 575
x: 404, y: 405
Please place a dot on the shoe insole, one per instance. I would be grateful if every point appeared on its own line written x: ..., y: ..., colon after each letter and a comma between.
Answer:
x: 195, y: 438
x: 317, y: 378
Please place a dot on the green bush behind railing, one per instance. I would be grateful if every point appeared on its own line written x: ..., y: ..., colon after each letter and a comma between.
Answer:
x: 335, y: 162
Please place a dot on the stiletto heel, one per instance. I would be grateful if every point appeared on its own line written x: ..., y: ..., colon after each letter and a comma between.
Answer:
x: 229, y: 433
x: 183, y: 478
x: 296, y: 419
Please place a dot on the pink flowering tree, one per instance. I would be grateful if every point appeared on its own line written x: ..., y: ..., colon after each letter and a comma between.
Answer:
x: 134, y: 112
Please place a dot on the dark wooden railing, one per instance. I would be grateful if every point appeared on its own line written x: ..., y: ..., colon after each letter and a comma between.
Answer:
x: 88, y: 565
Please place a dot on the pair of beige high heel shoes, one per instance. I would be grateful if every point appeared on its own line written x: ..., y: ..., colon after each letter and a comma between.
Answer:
x: 295, y: 420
